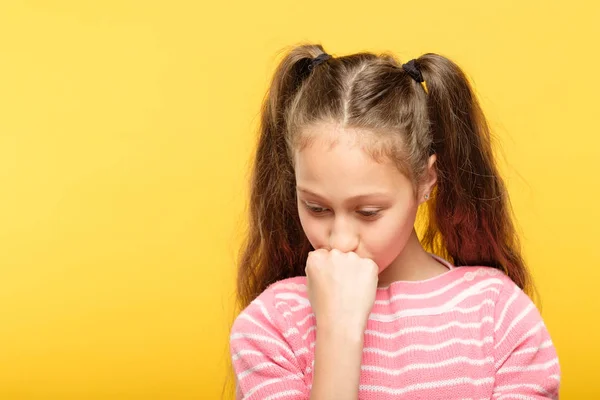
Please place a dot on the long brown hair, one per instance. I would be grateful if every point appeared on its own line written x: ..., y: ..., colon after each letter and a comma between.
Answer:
x: 469, y: 215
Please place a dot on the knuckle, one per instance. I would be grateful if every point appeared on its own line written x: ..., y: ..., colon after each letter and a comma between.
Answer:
x: 310, y: 258
x: 320, y: 252
x: 308, y: 269
x: 315, y: 254
x: 367, y: 262
x: 374, y: 267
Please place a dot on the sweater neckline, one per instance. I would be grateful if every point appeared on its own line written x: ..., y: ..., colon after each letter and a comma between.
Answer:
x: 446, y: 263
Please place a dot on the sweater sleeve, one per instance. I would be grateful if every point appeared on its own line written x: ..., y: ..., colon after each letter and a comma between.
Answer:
x: 264, y: 363
x: 525, y: 358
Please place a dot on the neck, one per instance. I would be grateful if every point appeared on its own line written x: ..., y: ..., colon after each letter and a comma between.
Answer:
x: 412, y: 264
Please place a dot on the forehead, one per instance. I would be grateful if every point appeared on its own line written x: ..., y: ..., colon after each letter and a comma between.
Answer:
x: 335, y: 160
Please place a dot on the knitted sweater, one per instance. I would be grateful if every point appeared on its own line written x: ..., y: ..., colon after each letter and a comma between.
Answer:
x: 469, y: 333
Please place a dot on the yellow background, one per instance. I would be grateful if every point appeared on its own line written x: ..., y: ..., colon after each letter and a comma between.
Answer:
x: 126, y: 128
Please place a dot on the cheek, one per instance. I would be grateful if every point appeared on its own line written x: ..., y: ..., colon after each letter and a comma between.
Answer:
x: 387, y: 239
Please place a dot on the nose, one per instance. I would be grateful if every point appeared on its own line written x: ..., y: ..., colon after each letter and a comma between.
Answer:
x: 343, y: 235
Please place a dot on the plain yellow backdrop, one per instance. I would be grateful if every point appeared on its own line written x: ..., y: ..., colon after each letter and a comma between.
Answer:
x: 126, y: 129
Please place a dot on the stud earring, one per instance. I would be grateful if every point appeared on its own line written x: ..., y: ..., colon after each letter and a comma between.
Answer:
x: 426, y: 196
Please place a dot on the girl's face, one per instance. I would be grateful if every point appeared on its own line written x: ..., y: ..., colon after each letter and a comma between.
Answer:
x: 349, y: 202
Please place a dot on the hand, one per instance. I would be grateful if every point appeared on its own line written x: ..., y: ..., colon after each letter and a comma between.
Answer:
x: 341, y: 288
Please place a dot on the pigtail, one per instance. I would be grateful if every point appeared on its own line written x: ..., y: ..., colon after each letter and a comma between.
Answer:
x: 470, y: 216
x: 275, y: 247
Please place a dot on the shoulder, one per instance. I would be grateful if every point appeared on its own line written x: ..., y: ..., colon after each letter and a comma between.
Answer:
x: 296, y: 284
x: 514, y: 313
x: 505, y: 290
x: 277, y: 306
x: 290, y: 291
x: 498, y: 290
x: 515, y: 316
x: 495, y: 281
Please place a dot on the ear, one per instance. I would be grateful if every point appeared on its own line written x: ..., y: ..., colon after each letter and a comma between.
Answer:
x: 430, y: 179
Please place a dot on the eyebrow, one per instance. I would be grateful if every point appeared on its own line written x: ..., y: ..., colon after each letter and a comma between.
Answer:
x: 353, y: 198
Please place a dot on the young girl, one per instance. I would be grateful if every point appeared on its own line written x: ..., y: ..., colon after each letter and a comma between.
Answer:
x: 340, y: 298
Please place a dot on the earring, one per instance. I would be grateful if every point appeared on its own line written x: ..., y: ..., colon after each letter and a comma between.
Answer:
x: 426, y: 196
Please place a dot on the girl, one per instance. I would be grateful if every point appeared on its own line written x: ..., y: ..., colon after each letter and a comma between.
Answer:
x: 340, y: 298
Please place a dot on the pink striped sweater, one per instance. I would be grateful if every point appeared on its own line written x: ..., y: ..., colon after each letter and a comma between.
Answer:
x: 469, y: 333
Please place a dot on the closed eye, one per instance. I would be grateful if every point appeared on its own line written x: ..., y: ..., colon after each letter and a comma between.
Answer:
x: 368, y: 213
x: 315, y: 210
x: 319, y: 211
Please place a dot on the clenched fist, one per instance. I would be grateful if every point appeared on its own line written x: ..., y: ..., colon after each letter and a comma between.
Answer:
x: 341, y: 288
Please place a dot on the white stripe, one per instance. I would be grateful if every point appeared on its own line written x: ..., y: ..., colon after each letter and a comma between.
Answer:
x: 301, y: 351
x: 427, y: 329
x: 530, y: 332
x: 410, y: 367
x: 292, y: 296
x: 310, y: 367
x: 283, y: 394
x: 255, y: 322
x: 303, y: 321
x: 532, y: 367
x: 295, y: 308
x: 471, y: 291
x: 467, y: 310
x: 427, y: 347
x: 555, y: 376
x: 420, y: 296
x: 270, y: 382
x: 427, y: 385
x: 241, y: 353
x: 290, y: 332
x: 505, y: 309
x: 514, y: 323
x: 545, y: 345
x: 263, y: 309
x: 250, y: 370
x: 533, y: 386
x: 308, y: 331
x: 261, y: 338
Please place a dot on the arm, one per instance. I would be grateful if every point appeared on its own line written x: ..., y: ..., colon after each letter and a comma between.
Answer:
x: 266, y: 367
x: 264, y: 363
x: 338, y: 356
x: 525, y: 358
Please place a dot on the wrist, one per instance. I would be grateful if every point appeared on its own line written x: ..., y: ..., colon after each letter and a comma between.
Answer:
x: 353, y: 332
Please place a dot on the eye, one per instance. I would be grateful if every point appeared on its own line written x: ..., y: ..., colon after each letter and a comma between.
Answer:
x: 369, y: 214
x: 315, y: 210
